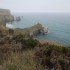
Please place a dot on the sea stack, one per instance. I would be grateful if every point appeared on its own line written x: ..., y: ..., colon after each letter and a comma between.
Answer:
x: 45, y: 29
x: 18, y: 18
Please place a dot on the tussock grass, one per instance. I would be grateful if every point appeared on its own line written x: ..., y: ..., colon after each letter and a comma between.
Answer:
x: 21, y: 61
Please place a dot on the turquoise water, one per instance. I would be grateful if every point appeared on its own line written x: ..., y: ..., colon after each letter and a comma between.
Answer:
x: 58, y: 24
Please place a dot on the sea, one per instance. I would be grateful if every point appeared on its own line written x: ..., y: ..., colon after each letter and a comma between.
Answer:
x: 58, y: 25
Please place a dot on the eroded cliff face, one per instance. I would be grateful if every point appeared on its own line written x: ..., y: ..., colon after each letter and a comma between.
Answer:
x: 5, y: 16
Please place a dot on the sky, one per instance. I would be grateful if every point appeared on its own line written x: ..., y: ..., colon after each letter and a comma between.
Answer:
x: 36, y: 6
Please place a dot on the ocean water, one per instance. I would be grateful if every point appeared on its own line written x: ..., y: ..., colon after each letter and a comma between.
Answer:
x: 58, y: 24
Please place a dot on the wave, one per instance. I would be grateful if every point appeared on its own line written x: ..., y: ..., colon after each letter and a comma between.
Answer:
x: 9, y: 25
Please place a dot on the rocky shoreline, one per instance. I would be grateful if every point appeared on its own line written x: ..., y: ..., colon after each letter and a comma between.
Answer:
x: 6, y: 16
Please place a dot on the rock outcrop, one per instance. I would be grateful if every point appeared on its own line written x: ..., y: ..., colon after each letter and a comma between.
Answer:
x: 38, y: 28
x: 33, y: 30
x: 18, y: 18
x: 5, y: 16
x: 45, y: 29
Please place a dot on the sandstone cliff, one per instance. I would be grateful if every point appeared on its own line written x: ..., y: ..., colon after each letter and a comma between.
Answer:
x: 5, y: 16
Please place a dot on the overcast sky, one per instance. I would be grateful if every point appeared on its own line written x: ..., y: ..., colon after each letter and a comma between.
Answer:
x: 36, y: 5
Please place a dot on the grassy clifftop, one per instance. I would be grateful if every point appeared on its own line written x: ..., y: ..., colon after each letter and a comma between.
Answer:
x: 27, y: 31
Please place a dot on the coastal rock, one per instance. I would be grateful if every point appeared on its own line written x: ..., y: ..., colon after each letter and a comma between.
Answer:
x: 35, y: 30
x: 5, y: 16
x: 45, y: 29
x: 18, y: 18
x: 38, y: 28
x: 32, y: 31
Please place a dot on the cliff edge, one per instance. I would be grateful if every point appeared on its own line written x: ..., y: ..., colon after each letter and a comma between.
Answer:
x: 5, y: 16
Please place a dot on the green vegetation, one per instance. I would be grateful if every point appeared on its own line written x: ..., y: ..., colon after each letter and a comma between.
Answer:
x: 1, y: 61
x: 53, y: 56
x: 64, y: 49
x: 31, y: 43
x: 35, y: 55
x: 26, y: 43
x: 11, y: 67
x: 20, y: 53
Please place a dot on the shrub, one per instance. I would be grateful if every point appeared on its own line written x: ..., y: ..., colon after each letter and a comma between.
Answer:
x: 1, y: 61
x: 21, y: 36
x: 11, y: 67
x: 5, y: 51
x: 31, y: 43
x: 11, y: 31
x: 0, y: 31
x: 64, y: 49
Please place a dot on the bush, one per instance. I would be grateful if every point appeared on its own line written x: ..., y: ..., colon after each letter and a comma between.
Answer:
x: 31, y: 43
x: 64, y: 49
x: 11, y: 31
x: 1, y: 61
x: 11, y: 67
x: 21, y: 36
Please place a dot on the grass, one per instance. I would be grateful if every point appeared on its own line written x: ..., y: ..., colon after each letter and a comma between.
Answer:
x: 26, y: 31
x: 21, y: 61
x: 11, y: 67
x: 42, y: 41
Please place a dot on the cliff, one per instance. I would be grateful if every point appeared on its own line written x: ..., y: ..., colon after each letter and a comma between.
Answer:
x: 5, y: 16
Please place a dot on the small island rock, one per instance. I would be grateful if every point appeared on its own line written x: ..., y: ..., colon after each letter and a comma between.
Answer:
x: 18, y: 18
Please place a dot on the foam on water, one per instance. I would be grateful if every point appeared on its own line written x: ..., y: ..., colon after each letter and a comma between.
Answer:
x: 9, y: 25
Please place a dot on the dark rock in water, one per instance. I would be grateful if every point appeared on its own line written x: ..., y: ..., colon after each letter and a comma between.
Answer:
x: 18, y: 18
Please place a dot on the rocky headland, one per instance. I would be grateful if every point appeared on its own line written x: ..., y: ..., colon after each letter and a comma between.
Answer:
x: 33, y: 30
x: 5, y: 16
